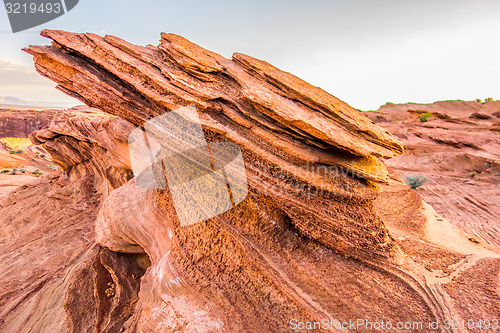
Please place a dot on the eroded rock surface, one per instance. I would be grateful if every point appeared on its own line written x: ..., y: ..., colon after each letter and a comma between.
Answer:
x: 306, y: 244
x: 460, y: 155
x: 55, y: 277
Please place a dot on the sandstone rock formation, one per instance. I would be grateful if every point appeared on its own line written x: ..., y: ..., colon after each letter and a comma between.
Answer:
x: 19, y: 123
x: 460, y: 155
x: 307, y: 244
x: 276, y: 118
x: 48, y: 248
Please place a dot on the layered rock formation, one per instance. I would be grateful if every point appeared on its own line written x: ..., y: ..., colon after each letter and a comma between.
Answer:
x: 52, y: 267
x: 309, y: 243
x: 277, y: 119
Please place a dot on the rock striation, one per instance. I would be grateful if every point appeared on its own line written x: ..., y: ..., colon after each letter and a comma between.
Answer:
x: 314, y: 240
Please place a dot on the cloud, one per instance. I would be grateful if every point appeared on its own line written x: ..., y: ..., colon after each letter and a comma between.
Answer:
x: 14, y: 73
x: 9, y: 64
x: 25, y: 83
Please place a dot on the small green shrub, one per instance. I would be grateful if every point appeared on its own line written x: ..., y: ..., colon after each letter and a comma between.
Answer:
x: 4, y: 171
x: 12, y: 151
x: 424, y: 116
x: 478, y: 100
x: 22, y: 170
x: 42, y: 156
x: 37, y: 172
x: 488, y: 99
x: 415, y: 181
x: 13, y: 172
x: 52, y: 167
x: 19, y: 152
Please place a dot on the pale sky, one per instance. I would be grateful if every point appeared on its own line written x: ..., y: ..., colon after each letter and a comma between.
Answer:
x: 365, y: 52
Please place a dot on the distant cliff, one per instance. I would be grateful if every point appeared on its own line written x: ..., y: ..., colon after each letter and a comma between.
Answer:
x: 20, y: 123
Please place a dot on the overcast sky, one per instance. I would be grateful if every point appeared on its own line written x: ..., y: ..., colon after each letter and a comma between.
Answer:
x: 365, y: 52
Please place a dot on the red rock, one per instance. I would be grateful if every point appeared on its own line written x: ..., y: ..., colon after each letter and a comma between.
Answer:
x: 478, y: 115
x: 338, y: 254
x: 460, y: 156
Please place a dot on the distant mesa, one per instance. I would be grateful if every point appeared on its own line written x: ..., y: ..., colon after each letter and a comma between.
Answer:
x: 12, y: 100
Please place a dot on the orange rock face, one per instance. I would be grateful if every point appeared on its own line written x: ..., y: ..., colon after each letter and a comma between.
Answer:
x: 314, y: 240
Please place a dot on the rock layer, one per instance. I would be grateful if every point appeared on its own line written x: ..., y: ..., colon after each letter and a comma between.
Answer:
x: 250, y: 101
